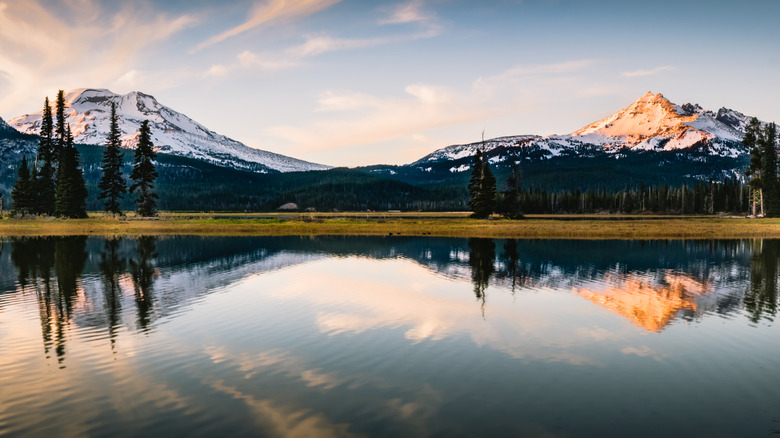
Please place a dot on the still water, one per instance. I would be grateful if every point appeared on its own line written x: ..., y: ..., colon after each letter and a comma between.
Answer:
x: 354, y: 336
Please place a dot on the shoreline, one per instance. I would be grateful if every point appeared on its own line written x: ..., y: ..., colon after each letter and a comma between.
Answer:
x: 402, y: 224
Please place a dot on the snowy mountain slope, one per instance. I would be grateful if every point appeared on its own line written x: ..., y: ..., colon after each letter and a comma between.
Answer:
x: 651, y: 123
x: 457, y: 152
x: 88, y: 110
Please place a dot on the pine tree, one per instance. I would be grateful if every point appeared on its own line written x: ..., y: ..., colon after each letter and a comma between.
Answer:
x: 475, y: 182
x: 45, y: 186
x: 112, y: 184
x: 71, y: 189
x: 512, y: 207
x: 22, y: 193
x: 768, y: 146
x: 59, y: 129
x: 482, y: 188
x: 144, y: 173
x: 751, y: 142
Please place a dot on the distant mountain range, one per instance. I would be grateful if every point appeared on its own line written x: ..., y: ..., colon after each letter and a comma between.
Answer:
x: 651, y: 141
x: 88, y: 111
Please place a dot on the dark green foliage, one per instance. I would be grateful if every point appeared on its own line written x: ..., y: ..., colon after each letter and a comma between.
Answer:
x: 45, y: 142
x: 768, y: 146
x: 144, y: 173
x: 729, y: 196
x: 482, y: 188
x: 45, y: 190
x: 23, y: 194
x: 45, y: 183
x: 510, y: 200
x: 751, y: 143
x: 112, y: 184
x: 59, y: 129
x: 71, y: 189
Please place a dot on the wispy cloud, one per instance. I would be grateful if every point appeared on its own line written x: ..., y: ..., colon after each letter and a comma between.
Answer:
x: 318, y: 44
x: 294, y: 56
x: 345, y: 120
x: 545, y: 69
x: 409, y: 12
x: 268, y: 13
x: 651, y: 72
x: 76, y: 43
x: 351, y: 118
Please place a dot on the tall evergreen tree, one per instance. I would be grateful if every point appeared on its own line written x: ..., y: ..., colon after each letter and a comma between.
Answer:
x: 475, y: 182
x: 482, y: 188
x: 59, y: 129
x: 45, y: 185
x: 511, y: 205
x: 71, y: 189
x: 768, y: 145
x: 144, y: 173
x: 112, y: 184
x: 751, y: 142
x: 22, y: 193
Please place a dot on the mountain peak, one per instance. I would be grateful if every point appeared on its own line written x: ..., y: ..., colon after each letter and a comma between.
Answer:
x: 649, y: 116
x: 88, y: 112
x: 653, y: 122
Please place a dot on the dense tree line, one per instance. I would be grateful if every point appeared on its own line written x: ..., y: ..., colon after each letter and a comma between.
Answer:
x: 728, y: 196
x: 761, y: 142
x: 54, y: 185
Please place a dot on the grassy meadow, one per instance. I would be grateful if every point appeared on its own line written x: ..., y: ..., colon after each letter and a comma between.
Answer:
x: 455, y: 224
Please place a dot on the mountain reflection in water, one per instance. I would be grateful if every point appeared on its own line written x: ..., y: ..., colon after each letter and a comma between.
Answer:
x: 650, y: 283
x: 206, y: 328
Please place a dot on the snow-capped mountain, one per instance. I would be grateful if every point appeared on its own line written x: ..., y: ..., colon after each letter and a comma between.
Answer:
x: 88, y: 112
x: 651, y: 123
x: 457, y: 152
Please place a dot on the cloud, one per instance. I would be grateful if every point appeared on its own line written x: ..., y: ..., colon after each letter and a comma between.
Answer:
x: 410, y: 12
x: 268, y: 13
x: 314, y: 45
x: 318, y: 44
x: 521, y: 71
x: 351, y: 118
x: 651, y: 72
x: 75, y: 43
x: 346, y: 119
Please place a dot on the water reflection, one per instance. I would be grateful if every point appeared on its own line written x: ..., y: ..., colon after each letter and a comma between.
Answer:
x: 259, y: 335
x: 651, y: 284
x: 143, y: 273
x: 482, y: 257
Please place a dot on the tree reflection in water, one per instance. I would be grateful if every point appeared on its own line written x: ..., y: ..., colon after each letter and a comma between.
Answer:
x: 111, y: 267
x: 143, y: 272
x: 36, y: 259
x: 761, y: 297
x: 482, y: 257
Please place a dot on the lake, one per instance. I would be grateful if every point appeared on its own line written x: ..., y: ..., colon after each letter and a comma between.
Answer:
x: 388, y: 336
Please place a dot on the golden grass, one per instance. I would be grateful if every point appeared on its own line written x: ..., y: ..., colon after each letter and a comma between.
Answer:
x: 406, y: 224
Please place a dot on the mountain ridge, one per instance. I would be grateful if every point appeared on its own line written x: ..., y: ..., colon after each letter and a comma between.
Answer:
x: 88, y: 112
x: 650, y: 123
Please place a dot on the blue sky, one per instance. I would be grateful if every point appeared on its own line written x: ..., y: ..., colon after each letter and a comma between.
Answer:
x: 347, y: 82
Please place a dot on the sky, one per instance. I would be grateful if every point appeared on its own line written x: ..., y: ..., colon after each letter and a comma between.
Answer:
x: 351, y: 82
